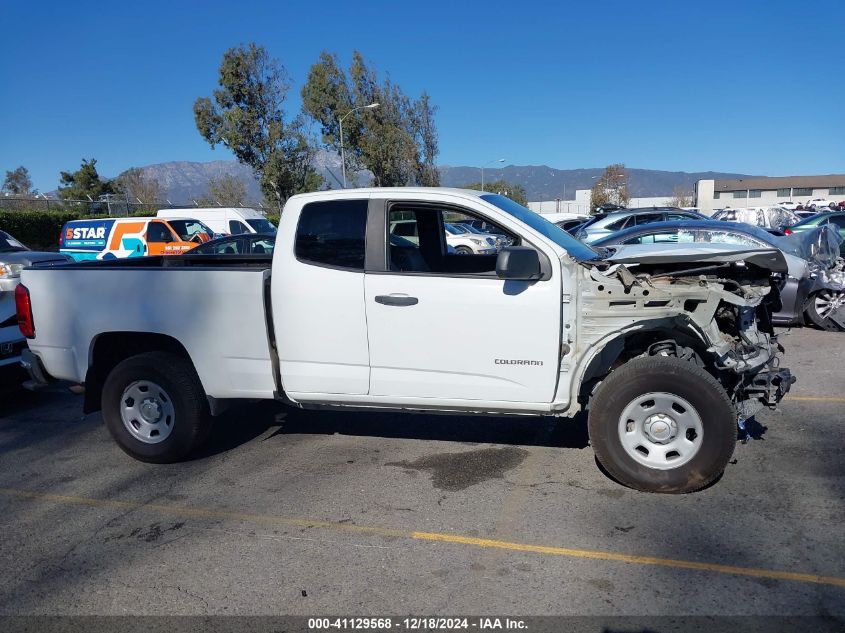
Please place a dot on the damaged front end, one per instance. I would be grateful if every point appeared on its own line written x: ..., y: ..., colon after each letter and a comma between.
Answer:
x: 705, y: 303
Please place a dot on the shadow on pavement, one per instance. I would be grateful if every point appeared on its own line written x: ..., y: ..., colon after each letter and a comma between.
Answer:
x: 243, y: 424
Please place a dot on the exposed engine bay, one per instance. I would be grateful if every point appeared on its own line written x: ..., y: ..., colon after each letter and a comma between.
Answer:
x: 704, y: 303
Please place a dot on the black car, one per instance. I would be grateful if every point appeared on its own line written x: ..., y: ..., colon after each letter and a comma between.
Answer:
x: 801, y: 291
x: 243, y: 244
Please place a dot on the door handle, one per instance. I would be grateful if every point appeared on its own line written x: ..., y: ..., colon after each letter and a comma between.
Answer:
x: 397, y: 300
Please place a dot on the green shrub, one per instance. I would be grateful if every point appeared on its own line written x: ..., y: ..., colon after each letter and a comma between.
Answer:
x: 37, y: 229
x: 274, y: 218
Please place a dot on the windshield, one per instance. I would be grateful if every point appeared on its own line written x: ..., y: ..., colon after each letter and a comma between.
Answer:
x: 9, y: 243
x: 576, y: 249
x: 187, y: 229
x: 450, y: 228
x: 261, y: 225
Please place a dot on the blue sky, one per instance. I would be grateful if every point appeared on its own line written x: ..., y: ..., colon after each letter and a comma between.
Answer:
x: 753, y: 87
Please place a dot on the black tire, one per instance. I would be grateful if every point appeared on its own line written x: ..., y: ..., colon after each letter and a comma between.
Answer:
x: 680, y: 378
x: 818, y: 320
x: 463, y: 250
x: 177, y: 377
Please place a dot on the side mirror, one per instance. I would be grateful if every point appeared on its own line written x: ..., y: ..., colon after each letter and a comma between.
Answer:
x: 518, y: 262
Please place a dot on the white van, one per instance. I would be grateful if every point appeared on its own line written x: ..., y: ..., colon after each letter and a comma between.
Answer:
x: 224, y: 220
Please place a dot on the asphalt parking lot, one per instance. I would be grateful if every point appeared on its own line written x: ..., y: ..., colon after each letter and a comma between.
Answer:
x: 318, y: 513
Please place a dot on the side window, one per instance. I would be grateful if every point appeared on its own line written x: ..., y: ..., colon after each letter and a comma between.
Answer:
x: 426, y: 239
x: 618, y: 225
x: 839, y: 221
x: 333, y: 233
x: 261, y: 246
x: 647, y: 218
x: 728, y: 237
x: 229, y: 247
x: 158, y: 232
x: 236, y: 227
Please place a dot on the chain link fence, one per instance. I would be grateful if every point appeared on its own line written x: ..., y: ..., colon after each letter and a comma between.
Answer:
x: 114, y: 205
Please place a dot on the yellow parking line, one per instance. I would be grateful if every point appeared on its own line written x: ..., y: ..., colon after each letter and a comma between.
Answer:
x: 428, y: 536
x: 815, y: 398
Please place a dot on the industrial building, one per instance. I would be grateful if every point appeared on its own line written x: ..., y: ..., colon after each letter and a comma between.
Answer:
x: 763, y: 191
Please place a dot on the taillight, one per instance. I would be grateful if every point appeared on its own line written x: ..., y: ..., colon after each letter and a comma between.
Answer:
x: 787, y: 231
x: 24, y: 309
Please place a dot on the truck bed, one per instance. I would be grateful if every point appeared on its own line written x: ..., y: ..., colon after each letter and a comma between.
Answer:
x: 213, y: 306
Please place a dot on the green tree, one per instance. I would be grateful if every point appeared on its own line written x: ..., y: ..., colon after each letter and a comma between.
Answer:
x: 225, y: 191
x: 514, y: 192
x: 610, y: 188
x: 18, y: 182
x: 138, y: 189
x: 246, y: 114
x: 397, y: 141
x: 83, y: 183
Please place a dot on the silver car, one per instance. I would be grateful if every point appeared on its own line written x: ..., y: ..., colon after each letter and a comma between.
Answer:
x: 603, y: 225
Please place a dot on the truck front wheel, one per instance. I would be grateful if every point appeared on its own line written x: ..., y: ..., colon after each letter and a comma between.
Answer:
x: 155, y: 408
x: 662, y: 424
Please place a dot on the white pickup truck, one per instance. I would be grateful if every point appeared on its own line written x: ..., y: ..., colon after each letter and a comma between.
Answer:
x: 665, y: 346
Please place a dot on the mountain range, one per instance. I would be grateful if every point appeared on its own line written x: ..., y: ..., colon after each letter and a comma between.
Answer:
x: 183, y: 181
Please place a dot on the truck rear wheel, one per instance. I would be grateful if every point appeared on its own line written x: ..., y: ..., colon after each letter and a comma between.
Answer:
x: 662, y: 424
x: 155, y: 408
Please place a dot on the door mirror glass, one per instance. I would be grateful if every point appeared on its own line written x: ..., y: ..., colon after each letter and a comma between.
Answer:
x: 518, y: 262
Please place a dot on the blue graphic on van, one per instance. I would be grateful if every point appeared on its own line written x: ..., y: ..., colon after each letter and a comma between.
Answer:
x: 133, y: 244
x: 87, y: 235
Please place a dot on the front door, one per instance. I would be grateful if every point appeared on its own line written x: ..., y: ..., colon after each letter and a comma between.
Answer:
x: 442, y: 325
x: 162, y: 241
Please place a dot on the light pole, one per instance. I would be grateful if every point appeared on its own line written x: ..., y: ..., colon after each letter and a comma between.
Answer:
x: 490, y: 162
x: 340, y: 122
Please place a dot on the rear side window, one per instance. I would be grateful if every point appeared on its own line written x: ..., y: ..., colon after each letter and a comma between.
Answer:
x: 648, y: 218
x: 333, y: 233
x: 236, y: 228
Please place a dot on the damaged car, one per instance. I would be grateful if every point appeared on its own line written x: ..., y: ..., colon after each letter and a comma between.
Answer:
x: 811, y: 289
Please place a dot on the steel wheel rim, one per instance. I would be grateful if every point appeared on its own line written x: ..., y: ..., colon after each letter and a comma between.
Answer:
x: 147, y: 412
x: 660, y: 430
x: 826, y: 301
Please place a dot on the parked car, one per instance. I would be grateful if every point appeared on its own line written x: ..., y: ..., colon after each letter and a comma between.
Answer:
x: 775, y: 217
x: 792, y: 206
x: 243, y: 244
x: 119, y: 238
x: 570, y: 226
x: 603, y: 225
x: 820, y: 203
x: 14, y: 256
x: 224, y: 220
x: 835, y: 218
x: 501, y: 239
x: 481, y: 225
x: 813, y: 286
x: 662, y: 359
x: 465, y: 242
